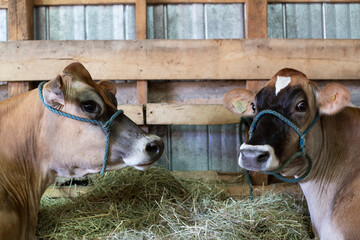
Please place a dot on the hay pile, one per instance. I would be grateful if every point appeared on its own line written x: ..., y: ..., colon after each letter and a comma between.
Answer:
x: 129, y: 204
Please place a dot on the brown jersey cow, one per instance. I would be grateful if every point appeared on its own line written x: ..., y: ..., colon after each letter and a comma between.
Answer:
x: 332, y: 187
x: 38, y: 145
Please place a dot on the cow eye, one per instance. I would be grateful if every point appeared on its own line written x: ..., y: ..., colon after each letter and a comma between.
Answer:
x: 301, y: 106
x: 253, y: 107
x: 90, y: 107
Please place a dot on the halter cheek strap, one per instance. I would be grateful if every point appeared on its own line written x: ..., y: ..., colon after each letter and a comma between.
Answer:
x: 106, y: 126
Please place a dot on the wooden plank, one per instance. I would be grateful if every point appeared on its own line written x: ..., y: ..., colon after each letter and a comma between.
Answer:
x: 189, y: 114
x: 182, y: 59
x: 21, y: 27
x: 107, y: 2
x: 134, y: 112
x: 80, y: 2
x: 140, y: 19
x: 192, y: 1
x: 141, y: 85
x: 241, y: 190
x: 20, y: 20
x: 15, y: 88
x: 314, y: 1
x: 142, y: 91
x: 256, y: 27
x: 3, y: 3
x: 256, y: 19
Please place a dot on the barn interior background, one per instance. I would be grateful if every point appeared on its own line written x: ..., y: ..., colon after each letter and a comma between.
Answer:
x: 175, y: 87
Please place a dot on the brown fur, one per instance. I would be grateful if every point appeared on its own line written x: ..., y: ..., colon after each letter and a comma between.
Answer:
x: 38, y: 145
x: 332, y: 189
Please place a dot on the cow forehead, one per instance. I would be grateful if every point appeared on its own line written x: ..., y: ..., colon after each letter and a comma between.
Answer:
x: 287, y: 78
x: 78, y: 81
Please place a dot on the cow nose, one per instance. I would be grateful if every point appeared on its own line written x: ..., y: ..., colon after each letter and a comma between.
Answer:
x: 257, y: 156
x: 155, y: 148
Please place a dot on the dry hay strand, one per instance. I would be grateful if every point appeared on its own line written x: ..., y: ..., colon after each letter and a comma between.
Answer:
x: 130, y: 204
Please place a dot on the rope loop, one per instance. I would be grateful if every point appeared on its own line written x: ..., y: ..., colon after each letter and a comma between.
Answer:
x: 106, y: 126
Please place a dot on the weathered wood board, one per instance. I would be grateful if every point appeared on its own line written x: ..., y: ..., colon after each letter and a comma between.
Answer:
x: 182, y: 59
x: 189, y: 114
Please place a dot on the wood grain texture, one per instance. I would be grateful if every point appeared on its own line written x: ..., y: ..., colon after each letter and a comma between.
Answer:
x: 15, y: 88
x: 255, y: 59
x: 189, y: 114
x: 80, y: 2
x: 20, y: 20
x: 256, y: 19
x: 142, y: 91
x: 314, y: 1
x: 3, y: 3
x: 20, y: 27
x: 134, y: 112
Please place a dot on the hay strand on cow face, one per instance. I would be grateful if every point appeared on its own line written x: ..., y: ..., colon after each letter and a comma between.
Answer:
x: 130, y: 204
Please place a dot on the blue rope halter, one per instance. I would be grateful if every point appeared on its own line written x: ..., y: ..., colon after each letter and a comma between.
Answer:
x: 106, y: 126
x: 300, y: 154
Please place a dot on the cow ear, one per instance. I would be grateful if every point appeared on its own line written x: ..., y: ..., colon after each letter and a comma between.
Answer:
x: 239, y: 101
x: 53, y: 94
x: 333, y: 98
x: 109, y: 86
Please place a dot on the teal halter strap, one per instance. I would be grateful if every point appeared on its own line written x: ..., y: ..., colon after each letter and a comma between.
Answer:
x: 106, y: 126
x: 300, y: 154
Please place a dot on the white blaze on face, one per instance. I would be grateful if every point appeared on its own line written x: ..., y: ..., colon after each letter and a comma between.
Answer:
x: 281, y: 83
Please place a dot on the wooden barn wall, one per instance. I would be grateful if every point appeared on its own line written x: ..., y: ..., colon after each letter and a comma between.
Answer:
x: 317, y: 20
x: 194, y: 147
x: 3, y: 37
x: 200, y: 148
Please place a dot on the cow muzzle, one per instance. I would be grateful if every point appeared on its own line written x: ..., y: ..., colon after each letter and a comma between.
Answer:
x: 146, y: 152
x: 258, y: 157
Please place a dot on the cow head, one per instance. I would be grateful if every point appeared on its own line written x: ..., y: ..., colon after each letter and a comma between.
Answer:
x: 292, y: 95
x: 75, y: 148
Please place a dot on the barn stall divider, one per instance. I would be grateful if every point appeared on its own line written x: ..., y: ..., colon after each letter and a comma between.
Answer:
x: 172, y: 81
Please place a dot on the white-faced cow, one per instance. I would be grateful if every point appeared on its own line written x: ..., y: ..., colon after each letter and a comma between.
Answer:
x: 38, y: 145
x: 290, y: 106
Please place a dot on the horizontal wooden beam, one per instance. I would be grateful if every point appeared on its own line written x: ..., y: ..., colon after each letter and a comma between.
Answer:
x: 188, y: 114
x: 4, y: 3
x: 254, y: 59
x: 313, y: 1
x: 134, y: 112
x: 107, y: 2
x: 80, y: 2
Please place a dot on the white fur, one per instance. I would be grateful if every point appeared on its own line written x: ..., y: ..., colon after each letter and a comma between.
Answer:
x: 281, y: 83
x: 271, y: 164
x: 139, y: 156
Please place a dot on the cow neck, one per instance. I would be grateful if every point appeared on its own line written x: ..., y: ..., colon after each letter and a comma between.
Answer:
x: 21, y: 173
x: 106, y: 126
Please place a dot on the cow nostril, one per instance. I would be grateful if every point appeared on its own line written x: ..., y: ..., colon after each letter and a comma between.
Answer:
x: 263, y: 157
x: 153, y: 148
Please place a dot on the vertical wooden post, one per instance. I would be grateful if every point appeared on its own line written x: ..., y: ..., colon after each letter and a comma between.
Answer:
x: 256, y: 27
x: 21, y: 27
x: 142, y: 85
